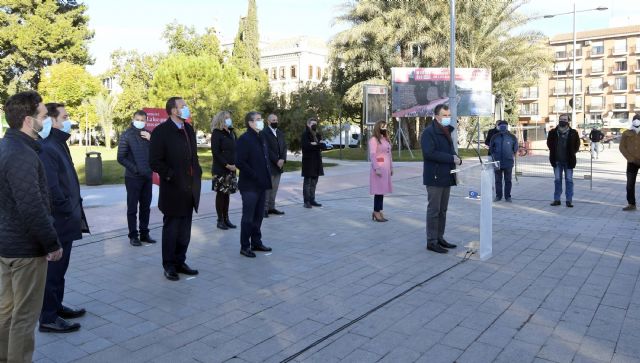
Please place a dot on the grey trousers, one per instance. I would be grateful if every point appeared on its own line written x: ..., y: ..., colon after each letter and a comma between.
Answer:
x: 438, y: 199
x: 270, y: 194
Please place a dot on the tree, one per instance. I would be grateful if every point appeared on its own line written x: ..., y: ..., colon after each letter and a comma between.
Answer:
x: 387, y: 34
x: 104, y: 105
x: 37, y: 34
x: 70, y: 84
x: 134, y: 73
x: 246, y: 52
x: 185, y: 40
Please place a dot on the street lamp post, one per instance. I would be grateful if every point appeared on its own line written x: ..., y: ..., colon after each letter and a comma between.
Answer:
x: 573, y: 65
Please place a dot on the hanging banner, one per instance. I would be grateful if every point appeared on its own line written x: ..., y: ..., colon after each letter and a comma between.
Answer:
x: 417, y: 91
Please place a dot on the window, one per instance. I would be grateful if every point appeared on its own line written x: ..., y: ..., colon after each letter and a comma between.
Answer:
x: 597, y: 48
x: 637, y: 103
x: 620, y: 46
x: 596, y: 85
x: 595, y: 118
x: 620, y: 66
x: 578, y: 50
x: 294, y: 72
x: 638, y: 82
x: 274, y: 73
x: 620, y: 84
x: 560, y: 51
x: 578, y: 103
x: 620, y: 102
x: 578, y: 68
x: 620, y: 116
x: 561, y: 105
x: 638, y: 45
x: 560, y: 87
x: 560, y: 68
x: 310, y: 72
x: 318, y: 73
x: 578, y: 86
x: 597, y: 66
x: 597, y: 103
x: 530, y: 92
x: 528, y: 109
x: 282, y: 73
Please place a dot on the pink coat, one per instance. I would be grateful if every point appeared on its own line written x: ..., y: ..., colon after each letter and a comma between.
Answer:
x: 380, y: 155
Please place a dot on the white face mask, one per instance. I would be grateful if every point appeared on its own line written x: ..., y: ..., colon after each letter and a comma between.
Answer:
x: 46, y: 128
x: 138, y: 124
x: 635, y: 123
x: 228, y: 122
x: 260, y: 125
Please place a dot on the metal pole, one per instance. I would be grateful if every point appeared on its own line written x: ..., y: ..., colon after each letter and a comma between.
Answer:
x: 573, y: 86
x: 478, y: 135
x: 340, y: 130
x: 453, y: 107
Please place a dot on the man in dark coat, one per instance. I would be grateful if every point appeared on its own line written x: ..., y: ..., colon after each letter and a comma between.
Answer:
x: 255, y: 178
x: 563, y: 143
x: 440, y: 159
x: 133, y: 154
x: 490, y: 134
x: 277, y: 149
x: 312, y: 147
x: 174, y: 156
x: 27, y: 235
x: 503, y: 148
x: 596, y: 137
x: 66, y: 208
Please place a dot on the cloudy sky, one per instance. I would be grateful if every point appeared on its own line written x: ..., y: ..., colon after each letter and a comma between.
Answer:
x: 138, y: 24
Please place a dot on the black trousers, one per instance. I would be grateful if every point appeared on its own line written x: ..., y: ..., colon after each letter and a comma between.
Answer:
x: 222, y: 205
x: 632, y: 174
x: 378, y: 202
x: 252, y: 215
x: 138, y: 195
x: 506, y: 172
x: 54, y: 287
x: 438, y: 203
x: 309, y: 188
x: 176, y: 234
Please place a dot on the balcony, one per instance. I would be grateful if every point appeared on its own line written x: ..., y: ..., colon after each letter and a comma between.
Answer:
x: 560, y: 74
x: 596, y: 72
x: 620, y: 88
x: 532, y: 95
x: 560, y: 91
x: 635, y: 68
x: 620, y: 106
x: 618, y: 69
x: 561, y: 55
x: 596, y: 89
x: 559, y: 109
x: 597, y: 52
x: 529, y: 112
x: 618, y: 51
x: 595, y: 108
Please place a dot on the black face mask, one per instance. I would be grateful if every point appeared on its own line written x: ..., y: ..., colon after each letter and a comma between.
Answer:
x: 383, y: 132
x: 314, y: 127
x: 563, y: 124
x: 274, y: 125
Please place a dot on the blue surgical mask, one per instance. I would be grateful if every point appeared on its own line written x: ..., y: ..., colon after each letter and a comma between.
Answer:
x: 260, y: 125
x: 46, y: 128
x: 228, y: 122
x: 185, y: 113
x: 66, y: 126
x: 502, y: 127
x: 138, y: 124
x: 446, y: 121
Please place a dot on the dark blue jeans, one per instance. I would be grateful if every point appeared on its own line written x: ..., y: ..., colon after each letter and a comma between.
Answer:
x: 563, y: 168
x: 138, y: 194
x: 54, y: 288
x: 506, y: 173
x: 252, y: 214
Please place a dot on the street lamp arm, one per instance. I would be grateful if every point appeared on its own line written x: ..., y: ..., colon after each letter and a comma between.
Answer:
x: 547, y: 16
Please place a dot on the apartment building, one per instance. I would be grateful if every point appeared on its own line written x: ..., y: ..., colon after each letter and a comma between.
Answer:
x: 607, y: 84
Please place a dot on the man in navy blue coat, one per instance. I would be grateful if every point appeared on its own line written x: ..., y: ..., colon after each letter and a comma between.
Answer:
x: 66, y: 208
x: 252, y: 160
x: 439, y: 159
x: 503, y: 147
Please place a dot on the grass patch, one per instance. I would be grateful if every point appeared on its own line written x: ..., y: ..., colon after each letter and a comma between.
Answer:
x: 361, y: 154
x: 113, y: 172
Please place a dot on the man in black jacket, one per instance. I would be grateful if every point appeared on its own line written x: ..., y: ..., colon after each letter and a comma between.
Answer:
x: 596, y: 137
x: 174, y: 156
x: 253, y: 161
x: 27, y: 236
x: 66, y: 208
x: 133, y: 154
x: 563, y: 143
x: 312, y: 169
x: 277, y: 150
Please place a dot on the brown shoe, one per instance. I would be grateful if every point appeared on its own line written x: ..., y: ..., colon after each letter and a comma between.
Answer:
x: 629, y: 207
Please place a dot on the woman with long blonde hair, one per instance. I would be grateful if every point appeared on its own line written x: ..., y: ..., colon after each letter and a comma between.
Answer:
x: 223, y: 149
x: 381, y: 169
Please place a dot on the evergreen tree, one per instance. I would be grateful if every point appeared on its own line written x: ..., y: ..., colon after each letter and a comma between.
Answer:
x: 246, y: 52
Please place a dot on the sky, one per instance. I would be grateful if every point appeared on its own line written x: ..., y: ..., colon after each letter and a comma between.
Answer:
x: 138, y: 24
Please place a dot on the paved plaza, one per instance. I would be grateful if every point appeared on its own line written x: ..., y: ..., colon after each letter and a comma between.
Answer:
x: 562, y: 285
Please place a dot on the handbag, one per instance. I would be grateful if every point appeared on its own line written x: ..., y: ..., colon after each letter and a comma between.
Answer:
x: 227, y: 184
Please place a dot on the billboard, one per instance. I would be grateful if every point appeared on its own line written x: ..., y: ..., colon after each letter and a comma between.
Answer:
x: 155, y: 116
x: 415, y: 92
x: 375, y: 103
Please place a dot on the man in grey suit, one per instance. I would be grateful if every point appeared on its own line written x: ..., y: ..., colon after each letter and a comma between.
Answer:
x: 274, y: 139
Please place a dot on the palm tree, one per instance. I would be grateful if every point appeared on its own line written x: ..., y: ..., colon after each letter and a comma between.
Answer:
x: 105, y: 104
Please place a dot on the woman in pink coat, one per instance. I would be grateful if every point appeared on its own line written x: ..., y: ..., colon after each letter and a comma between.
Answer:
x: 381, y: 169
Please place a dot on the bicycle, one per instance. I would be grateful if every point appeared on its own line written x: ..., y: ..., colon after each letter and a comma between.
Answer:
x: 522, y: 150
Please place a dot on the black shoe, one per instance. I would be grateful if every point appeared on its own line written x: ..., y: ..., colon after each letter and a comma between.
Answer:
x: 555, y: 203
x: 629, y: 207
x: 69, y: 313
x: 316, y: 204
x: 222, y: 225
x: 171, y: 275
x: 185, y: 269
x: 266, y: 214
x: 569, y: 204
x: 436, y: 248
x: 497, y: 199
x: 446, y: 244
x: 276, y: 212
x: 228, y: 223
x: 261, y: 248
x: 247, y: 253
x: 307, y: 205
x: 59, y: 326
x: 508, y: 200
x: 135, y: 242
x: 147, y: 239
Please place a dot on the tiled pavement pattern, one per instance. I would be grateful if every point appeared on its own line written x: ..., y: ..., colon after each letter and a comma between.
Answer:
x: 562, y: 285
